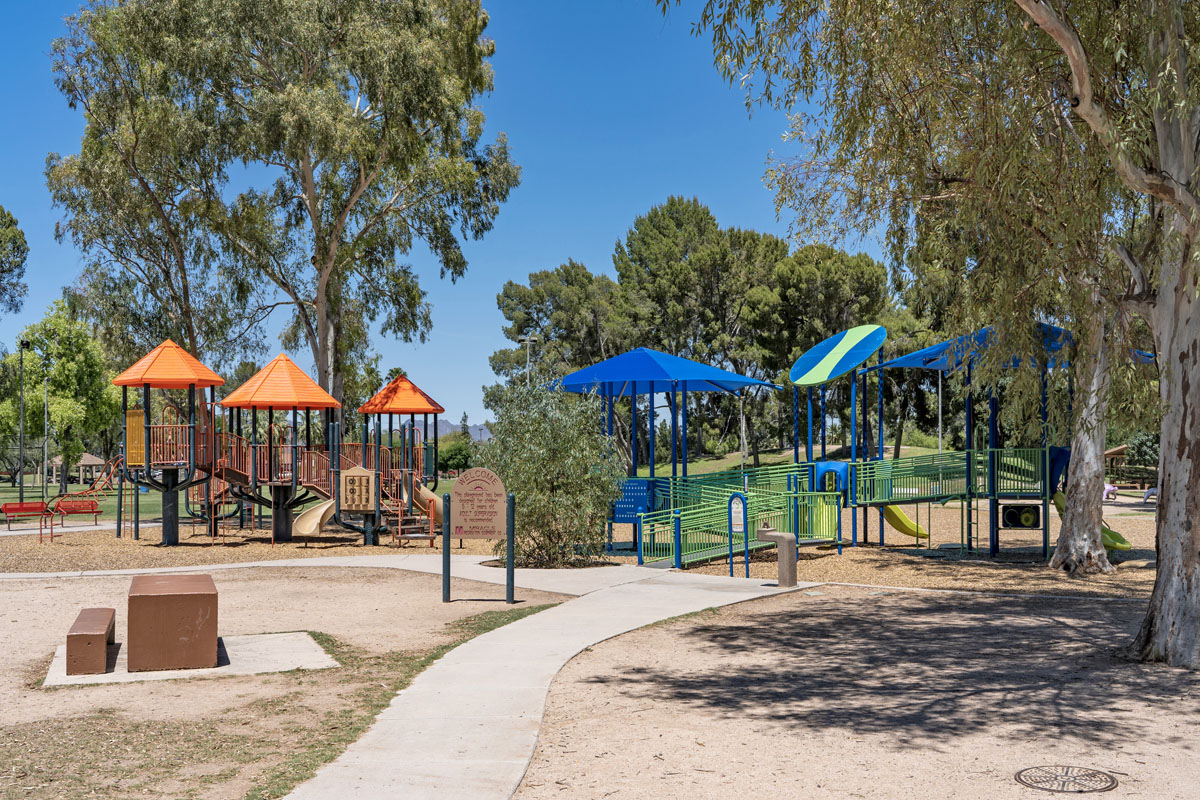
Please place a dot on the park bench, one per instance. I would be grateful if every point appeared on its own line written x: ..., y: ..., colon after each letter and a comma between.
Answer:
x: 37, y: 509
x: 65, y: 508
x: 88, y: 641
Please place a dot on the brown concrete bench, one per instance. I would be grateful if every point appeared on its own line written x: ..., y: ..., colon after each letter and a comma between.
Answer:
x: 88, y: 641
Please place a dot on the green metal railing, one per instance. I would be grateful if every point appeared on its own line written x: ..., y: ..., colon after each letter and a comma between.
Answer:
x: 705, y: 533
x: 943, y: 476
x: 699, y: 490
x: 1017, y: 470
x: 905, y: 480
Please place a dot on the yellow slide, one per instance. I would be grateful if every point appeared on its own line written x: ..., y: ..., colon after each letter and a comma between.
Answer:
x: 311, y: 520
x: 1111, y: 539
x: 900, y: 521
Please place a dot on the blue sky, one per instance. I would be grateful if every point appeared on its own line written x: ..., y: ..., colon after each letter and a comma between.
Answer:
x: 609, y: 108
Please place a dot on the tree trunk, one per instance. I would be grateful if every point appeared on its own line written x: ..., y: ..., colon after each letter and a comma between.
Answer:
x: 1170, y: 631
x: 1080, y: 549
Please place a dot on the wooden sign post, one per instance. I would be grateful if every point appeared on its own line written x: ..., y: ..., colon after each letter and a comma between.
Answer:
x: 478, y: 508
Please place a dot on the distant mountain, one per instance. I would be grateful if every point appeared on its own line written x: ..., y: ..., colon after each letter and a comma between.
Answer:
x: 479, y: 433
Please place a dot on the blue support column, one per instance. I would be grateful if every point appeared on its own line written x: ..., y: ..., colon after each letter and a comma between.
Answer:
x: 650, y: 438
x: 672, y: 403
x: 866, y: 426
x: 853, y: 457
x: 633, y: 432
x: 879, y: 443
x: 678, y: 540
x: 683, y: 414
x: 993, y: 486
x: 796, y: 423
x: 808, y: 449
x: 970, y: 434
x: 1046, y: 487
x: 823, y: 418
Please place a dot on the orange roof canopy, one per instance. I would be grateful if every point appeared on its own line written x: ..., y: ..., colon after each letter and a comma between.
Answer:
x: 401, y: 396
x: 169, y: 366
x: 280, y: 384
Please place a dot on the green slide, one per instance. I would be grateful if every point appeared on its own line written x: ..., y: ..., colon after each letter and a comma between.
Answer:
x: 900, y: 521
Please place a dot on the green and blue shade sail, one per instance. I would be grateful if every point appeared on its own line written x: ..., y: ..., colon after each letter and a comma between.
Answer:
x: 837, y: 355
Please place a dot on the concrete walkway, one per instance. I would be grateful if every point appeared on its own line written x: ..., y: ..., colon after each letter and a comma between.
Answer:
x: 467, y: 726
x: 563, y: 581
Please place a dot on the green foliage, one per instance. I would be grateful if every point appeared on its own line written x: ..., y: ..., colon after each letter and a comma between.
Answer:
x: 13, y: 252
x: 363, y: 114
x: 454, y: 452
x: 1143, y: 449
x: 140, y: 199
x: 548, y: 449
x: 82, y: 401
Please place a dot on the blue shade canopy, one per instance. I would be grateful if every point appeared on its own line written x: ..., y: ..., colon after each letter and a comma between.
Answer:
x: 644, y: 371
x: 837, y: 355
x: 954, y: 354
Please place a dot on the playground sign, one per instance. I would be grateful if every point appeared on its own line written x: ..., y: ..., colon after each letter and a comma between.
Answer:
x: 478, y: 506
x: 737, y: 514
x: 358, y: 490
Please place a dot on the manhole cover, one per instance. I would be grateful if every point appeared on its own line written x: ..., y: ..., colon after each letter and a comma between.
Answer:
x: 1066, y: 779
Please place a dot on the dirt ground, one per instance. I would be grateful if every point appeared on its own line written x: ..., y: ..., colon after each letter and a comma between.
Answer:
x: 846, y: 692
x: 251, y: 736
x: 99, y: 550
x: 938, y: 563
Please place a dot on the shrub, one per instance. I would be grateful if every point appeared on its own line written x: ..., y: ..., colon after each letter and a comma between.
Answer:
x: 550, y: 451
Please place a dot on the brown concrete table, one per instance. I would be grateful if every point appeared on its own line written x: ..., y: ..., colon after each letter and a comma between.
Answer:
x: 172, y: 622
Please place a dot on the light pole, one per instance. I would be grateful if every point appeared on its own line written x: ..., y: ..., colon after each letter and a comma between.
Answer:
x: 527, y: 341
x: 45, y: 424
x: 23, y: 345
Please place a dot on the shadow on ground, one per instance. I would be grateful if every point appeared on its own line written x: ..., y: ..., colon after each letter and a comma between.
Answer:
x: 924, y: 669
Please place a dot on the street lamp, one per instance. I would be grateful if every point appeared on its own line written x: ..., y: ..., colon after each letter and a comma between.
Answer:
x: 23, y: 345
x: 527, y: 341
x: 45, y: 423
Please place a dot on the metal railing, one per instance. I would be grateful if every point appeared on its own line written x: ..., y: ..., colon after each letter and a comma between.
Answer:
x: 704, y: 532
x: 936, y: 476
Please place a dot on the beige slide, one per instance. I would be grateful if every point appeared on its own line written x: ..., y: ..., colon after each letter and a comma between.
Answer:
x: 313, y: 519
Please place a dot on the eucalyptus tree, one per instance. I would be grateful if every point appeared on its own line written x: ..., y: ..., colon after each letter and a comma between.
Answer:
x: 13, y: 252
x: 357, y: 121
x: 1048, y: 127
x: 140, y: 196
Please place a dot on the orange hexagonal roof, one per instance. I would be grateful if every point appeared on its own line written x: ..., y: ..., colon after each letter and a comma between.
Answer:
x: 280, y: 384
x: 401, y: 396
x: 169, y: 366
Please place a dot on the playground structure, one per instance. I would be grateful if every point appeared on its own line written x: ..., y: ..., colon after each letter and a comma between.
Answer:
x: 686, y: 519
x: 230, y: 460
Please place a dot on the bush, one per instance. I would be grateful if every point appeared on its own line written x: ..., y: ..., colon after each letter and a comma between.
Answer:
x: 549, y: 450
x: 1143, y: 450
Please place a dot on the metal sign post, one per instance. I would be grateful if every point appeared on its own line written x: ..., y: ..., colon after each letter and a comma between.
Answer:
x: 738, y: 523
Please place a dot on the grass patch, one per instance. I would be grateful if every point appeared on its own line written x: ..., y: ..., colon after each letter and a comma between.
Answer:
x: 340, y: 728
x: 261, y: 749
